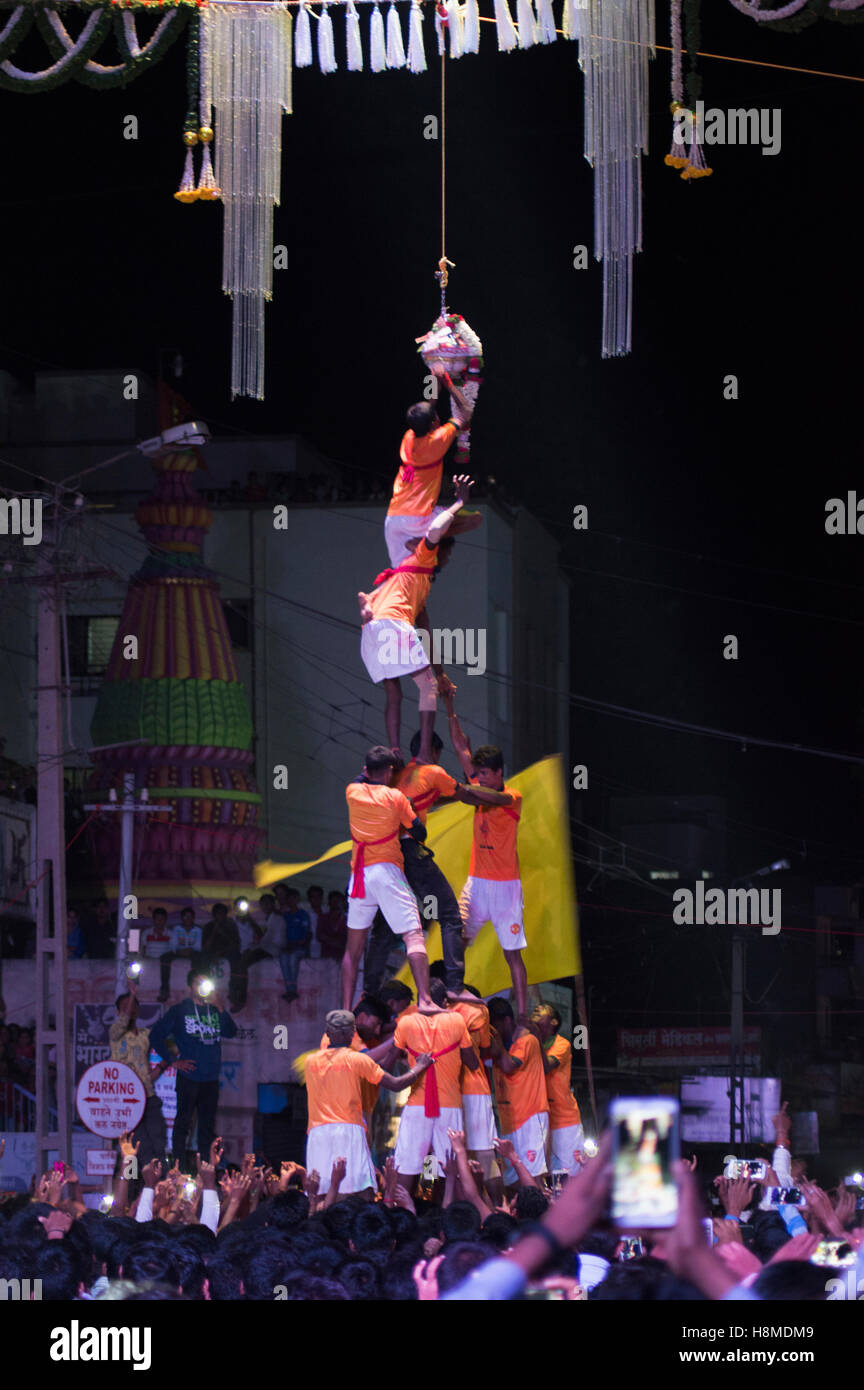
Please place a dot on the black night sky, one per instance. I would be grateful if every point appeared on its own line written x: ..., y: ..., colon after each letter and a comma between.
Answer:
x: 706, y: 516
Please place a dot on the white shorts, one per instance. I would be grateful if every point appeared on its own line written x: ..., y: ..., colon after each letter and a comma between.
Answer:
x: 326, y: 1143
x: 391, y: 648
x: 419, y: 1136
x: 480, y: 1131
x: 529, y: 1141
x: 386, y: 887
x: 498, y: 901
x: 398, y: 530
x: 566, y: 1143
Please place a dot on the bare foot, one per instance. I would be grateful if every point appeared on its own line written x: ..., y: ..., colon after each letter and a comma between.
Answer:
x: 365, y: 609
x: 426, y: 1006
x: 461, y: 996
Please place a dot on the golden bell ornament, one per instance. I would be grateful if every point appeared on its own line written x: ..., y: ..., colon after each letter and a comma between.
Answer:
x: 190, y: 138
x: 205, y: 134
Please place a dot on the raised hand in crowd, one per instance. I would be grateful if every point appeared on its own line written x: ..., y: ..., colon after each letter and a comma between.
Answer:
x: 425, y: 1279
x: 735, y: 1194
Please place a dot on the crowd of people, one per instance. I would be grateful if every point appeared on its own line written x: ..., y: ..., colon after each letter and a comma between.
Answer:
x: 247, y: 1232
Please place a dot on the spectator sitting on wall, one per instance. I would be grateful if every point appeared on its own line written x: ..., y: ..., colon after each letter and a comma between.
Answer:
x: 314, y: 905
x: 74, y: 936
x: 332, y: 928
x: 271, y: 943
x: 221, y: 939
x: 157, y: 939
x: 185, y: 944
x: 99, y: 931
x: 298, y: 934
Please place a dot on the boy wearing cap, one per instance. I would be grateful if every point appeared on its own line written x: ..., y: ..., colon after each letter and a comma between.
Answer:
x: 335, y: 1079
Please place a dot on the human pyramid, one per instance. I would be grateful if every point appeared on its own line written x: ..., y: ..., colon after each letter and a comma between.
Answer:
x: 447, y: 1036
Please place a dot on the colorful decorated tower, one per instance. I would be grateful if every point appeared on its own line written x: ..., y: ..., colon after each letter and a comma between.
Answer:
x: 172, y: 691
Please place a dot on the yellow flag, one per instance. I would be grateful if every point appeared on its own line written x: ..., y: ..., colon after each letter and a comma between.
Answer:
x: 551, y: 917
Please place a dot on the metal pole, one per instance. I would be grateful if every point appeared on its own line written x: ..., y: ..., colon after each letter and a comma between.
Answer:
x: 736, y: 1040
x: 124, y: 883
x: 51, y: 952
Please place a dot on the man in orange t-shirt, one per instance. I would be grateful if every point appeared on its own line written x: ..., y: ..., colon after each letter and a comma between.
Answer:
x: 418, y: 482
x: 520, y: 1089
x: 435, y: 1102
x: 390, y: 645
x: 480, y: 1130
x: 335, y: 1077
x: 493, y: 888
x: 567, y: 1137
x: 425, y: 784
x: 376, y: 813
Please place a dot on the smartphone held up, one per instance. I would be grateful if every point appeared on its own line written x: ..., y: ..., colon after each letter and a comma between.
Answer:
x: 645, y: 1145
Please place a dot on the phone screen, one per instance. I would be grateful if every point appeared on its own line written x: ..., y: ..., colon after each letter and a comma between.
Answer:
x: 645, y: 1145
x: 838, y: 1254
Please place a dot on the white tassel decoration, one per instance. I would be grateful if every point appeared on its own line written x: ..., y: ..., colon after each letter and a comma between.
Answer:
x: 574, y: 20
x: 326, y: 46
x: 439, y: 31
x: 395, y: 45
x: 507, y: 36
x: 471, y: 28
x: 416, y: 51
x: 353, y: 41
x: 303, y: 39
x: 526, y: 23
x: 377, y: 45
x: 546, y: 21
x: 455, y: 26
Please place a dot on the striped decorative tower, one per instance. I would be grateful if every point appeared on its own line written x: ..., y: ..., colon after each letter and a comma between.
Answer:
x: 182, y: 696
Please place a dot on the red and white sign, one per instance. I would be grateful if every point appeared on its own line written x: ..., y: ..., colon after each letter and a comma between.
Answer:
x: 101, y: 1163
x: 110, y: 1099
x: 683, y: 1047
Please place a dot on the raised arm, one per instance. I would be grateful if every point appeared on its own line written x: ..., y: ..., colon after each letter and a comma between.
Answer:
x: 442, y: 523
x: 461, y: 746
x: 481, y: 796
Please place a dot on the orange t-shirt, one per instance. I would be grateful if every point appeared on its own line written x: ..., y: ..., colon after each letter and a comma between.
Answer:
x: 404, y: 594
x: 368, y: 1092
x: 493, y: 848
x: 522, y: 1094
x: 334, y: 1082
x: 374, y: 812
x: 476, y: 1016
x: 423, y: 783
x: 563, y: 1109
x: 426, y: 455
x: 432, y: 1033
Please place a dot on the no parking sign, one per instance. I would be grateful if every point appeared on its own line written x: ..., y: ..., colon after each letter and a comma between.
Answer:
x: 110, y: 1099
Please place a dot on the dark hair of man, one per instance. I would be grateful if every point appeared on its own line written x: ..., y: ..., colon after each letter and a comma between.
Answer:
x: 421, y: 417
x: 270, y: 1264
x: 472, y: 990
x: 336, y: 1220
x: 360, y: 1279
x: 643, y: 1280
x: 225, y: 1278
x: 404, y: 1226
x: 61, y: 1269
x: 198, y: 1238
x: 394, y: 989
x: 160, y: 913
x: 460, y: 1260
x: 218, y: 907
x: 500, y: 1008
x: 187, y: 912
x: 460, y: 1221
x: 155, y: 1262
x: 531, y: 1203
x: 318, y: 1256
x: 287, y: 1210
x: 438, y: 992
x: 371, y: 1230
x: 120, y: 1000
x: 370, y: 1004
x: 793, y: 1280
x: 499, y: 1230
x: 601, y: 1243
x: 266, y: 898
x: 414, y: 745
x: 397, y: 1283
x: 487, y: 755
x: 300, y: 1287
x: 378, y: 758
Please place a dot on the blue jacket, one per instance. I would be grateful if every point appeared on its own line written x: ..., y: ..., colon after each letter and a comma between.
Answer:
x: 197, y: 1029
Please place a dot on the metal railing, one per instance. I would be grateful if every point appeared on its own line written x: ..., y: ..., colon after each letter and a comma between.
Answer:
x: 18, y: 1110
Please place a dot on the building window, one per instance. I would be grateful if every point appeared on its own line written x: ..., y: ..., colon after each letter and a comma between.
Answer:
x: 90, y: 641
x: 238, y: 620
